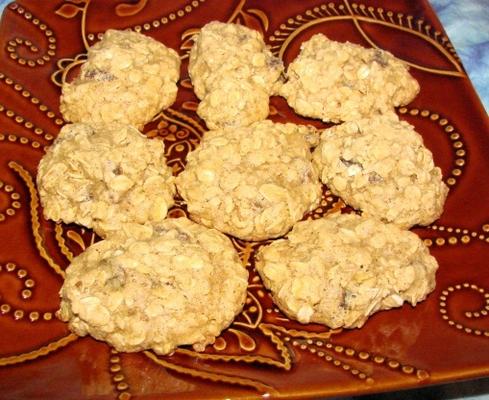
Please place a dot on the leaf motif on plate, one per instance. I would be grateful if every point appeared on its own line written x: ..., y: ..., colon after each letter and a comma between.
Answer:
x: 252, y: 18
x: 129, y: 9
x: 188, y: 40
x: 65, y: 67
x: 68, y: 10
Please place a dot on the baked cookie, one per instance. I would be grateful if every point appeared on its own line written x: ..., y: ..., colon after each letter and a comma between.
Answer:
x: 340, y: 269
x: 252, y: 182
x: 128, y: 78
x: 234, y: 102
x: 233, y: 73
x: 105, y: 177
x: 380, y: 166
x: 336, y: 81
x: 181, y: 286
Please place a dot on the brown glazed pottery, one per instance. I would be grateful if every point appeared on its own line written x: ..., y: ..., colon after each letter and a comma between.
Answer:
x: 262, y: 354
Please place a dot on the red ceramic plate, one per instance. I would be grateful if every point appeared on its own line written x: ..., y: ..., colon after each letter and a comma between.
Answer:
x: 443, y: 339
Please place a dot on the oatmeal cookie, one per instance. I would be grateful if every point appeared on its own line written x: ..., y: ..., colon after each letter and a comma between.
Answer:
x: 340, y: 269
x: 233, y: 73
x: 128, y: 78
x: 380, y: 166
x: 336, y: 81
x: 105, y: 177
x: 252, y: 182
x: 236, y: 102
x: 181, y: 286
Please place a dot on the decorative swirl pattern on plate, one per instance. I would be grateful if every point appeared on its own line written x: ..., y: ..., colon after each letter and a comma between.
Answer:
x: 481, y: 313
x: 357, y: 13
x: 260, y: 323
x: 28, y: 285
x: 72, y: 8
x: 12, y: 45
x: 211, y: 376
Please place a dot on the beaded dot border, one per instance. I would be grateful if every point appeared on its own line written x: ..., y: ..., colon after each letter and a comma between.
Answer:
x: 34, y: 100
x: 457, y: 235
x: 14, y: 204
x: 329, y: 351
x: 26, y: 293
x: 118, y: 378
x: 483, y: 312
x: 26, y: 123
x: 455, y: 137
x: 13, y: 44
x: 12, y: 138
x: 158, y: 22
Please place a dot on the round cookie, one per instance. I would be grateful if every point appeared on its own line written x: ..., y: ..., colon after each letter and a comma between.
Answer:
x: 252, y: 182
x: 182, y: 285
x: 128, y: 78
x: 105, y: 177
x: 233, y: 73
x: 336, y: 81
x: 380, y: 166
x: 340, y: 269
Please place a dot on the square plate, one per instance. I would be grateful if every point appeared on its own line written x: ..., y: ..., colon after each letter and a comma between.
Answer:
x: 443, y: 339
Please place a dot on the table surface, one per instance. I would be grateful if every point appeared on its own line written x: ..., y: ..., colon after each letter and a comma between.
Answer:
x: 465, y: 22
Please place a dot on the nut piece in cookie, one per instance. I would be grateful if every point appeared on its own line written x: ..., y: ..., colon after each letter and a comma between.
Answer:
x: 105, y: 177
x: 380, y: 166
x: 182, y: 285
x: 128, y: 78
x: 340, y: 269
x: 234, y: 74
x: 336, y: 81
x: 252, y: 182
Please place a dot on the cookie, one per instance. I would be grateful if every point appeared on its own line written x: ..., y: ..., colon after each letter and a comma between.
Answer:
x: 340, y: 269
x: 181, y: 286
x: 336, y: 81
x: 380, y: 166
x: 233, y: 73
x: 105, y: 177
x: 233, y: 102
x: 252, y: 182
x: 128, y: 78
